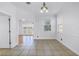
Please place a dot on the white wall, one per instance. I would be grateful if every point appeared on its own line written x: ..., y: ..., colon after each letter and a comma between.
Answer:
x: 4, y: 32
x: 70, y: 17
x: 39, y: 28
x: 14, y: 31
x: 20, y: 27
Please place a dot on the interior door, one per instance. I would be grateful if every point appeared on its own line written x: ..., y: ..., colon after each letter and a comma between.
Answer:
x: 4, y: 31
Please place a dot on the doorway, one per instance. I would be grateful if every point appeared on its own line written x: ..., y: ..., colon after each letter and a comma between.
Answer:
x: 27, y: 29
x: 26, y: 38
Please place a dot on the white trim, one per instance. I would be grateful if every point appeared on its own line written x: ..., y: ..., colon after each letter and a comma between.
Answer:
x: 45, y: 38
x: 6, y: 13
x: 68, y: 47
x: 13, y: 45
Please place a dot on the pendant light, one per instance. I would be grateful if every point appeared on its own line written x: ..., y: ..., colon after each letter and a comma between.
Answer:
x: 44, y: 8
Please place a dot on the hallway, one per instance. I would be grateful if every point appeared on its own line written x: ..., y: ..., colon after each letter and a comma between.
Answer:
x: 38, y: 48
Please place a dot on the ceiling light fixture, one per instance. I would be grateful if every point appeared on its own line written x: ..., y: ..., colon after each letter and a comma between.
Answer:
x: 28, y: 3
x: 44, y: 8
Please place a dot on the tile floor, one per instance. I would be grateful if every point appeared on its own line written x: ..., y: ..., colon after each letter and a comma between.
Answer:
x: 32, y: 47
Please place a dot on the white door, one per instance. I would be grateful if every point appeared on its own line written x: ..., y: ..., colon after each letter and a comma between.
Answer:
x: 4, y: 32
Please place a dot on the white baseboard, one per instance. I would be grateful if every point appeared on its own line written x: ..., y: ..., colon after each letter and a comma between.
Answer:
x: 13, y: 45
x: 45, y: 38
x: 69, y: 47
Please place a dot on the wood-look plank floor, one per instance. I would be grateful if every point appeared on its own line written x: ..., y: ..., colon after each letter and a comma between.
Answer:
x: 39, y: 48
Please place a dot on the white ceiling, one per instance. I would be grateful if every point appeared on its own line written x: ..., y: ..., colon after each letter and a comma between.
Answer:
x: 34, y: 7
